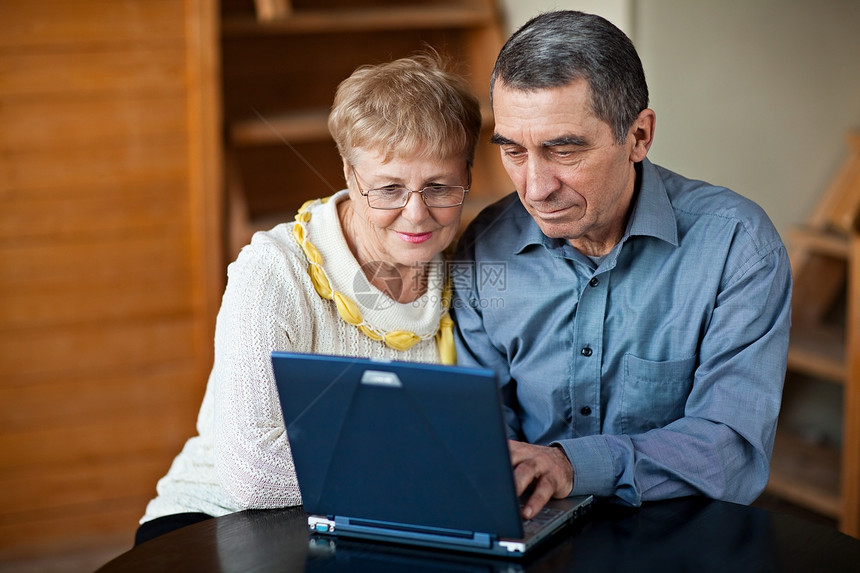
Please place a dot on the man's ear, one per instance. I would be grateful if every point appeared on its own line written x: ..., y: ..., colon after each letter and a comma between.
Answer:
x: 642, y: 131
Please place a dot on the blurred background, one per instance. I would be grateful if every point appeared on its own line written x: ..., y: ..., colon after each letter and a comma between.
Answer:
x: 143, y: 141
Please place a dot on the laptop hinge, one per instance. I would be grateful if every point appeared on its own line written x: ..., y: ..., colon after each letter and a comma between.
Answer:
x: 362, y: 527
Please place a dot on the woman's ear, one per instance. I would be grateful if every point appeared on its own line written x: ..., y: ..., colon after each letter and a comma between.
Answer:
x: 642, y: 131
x: 346, y: 169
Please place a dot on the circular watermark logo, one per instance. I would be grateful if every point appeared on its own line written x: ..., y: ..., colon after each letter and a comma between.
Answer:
x: 388, y: 281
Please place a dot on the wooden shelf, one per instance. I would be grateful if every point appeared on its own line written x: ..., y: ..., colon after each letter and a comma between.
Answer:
x: 295, y: 127
x: 299, y: 126
x: 806, y: 474
x: 818, y: 351
x: 834, y: 244
x: 281, y: 66
x: 369, y: 19
x: 825, y: 258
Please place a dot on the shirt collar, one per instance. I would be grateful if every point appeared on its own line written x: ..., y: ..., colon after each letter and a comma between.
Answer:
x: 652, y: 214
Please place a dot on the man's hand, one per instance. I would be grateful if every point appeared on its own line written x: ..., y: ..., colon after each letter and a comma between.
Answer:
x: 543, y: 469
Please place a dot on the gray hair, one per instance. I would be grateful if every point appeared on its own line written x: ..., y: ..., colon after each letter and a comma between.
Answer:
x: 409, y: 107
x: 556, y: 48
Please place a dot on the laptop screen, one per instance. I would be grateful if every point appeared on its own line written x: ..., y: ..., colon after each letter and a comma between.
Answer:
x: 405, y: 444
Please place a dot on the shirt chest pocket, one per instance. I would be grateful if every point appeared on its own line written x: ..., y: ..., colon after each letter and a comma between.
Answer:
x: 654, y: 393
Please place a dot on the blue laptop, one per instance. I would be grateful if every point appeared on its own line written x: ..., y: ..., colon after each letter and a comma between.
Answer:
x: 407, y: 453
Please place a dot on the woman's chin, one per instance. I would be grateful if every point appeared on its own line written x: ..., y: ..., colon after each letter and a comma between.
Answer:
x: 414, y: 255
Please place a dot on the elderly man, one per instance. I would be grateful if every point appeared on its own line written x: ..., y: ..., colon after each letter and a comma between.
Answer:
x: 639, y: 320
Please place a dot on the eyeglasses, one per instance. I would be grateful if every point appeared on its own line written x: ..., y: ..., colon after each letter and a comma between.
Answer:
x: 397, y: 196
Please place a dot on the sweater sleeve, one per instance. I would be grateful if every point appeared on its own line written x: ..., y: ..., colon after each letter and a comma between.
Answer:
x: 265, y: 307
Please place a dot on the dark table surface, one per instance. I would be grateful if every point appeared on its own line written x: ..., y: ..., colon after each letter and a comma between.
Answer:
x: 690, y: 534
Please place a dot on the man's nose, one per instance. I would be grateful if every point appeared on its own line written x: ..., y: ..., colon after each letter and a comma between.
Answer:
x: 541, y: 180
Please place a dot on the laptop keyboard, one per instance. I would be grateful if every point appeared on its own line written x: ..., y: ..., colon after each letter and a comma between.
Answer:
x: 537, y: 522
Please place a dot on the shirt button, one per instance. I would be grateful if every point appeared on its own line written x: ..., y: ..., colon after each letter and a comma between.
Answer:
x: 594, y: 282
x: 585, y: 411
x: 586, y: 351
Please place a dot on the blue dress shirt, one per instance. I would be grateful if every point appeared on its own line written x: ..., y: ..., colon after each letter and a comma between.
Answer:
x: 659, y: 371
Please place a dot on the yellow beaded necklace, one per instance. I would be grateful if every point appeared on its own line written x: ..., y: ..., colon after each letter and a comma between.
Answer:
x: 348, y: 309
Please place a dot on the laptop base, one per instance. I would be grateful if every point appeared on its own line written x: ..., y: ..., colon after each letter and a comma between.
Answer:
x: 561, y: 514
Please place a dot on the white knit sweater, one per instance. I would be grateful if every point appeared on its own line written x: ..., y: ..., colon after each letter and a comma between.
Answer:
x: 240, y: 458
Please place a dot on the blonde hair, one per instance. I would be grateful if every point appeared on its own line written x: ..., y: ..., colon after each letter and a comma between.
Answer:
x: 411, y: 106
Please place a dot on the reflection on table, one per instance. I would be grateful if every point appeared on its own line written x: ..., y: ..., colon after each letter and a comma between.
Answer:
x: 690, y: 534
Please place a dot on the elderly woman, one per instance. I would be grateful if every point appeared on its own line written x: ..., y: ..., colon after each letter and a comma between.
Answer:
x: 357, y: 274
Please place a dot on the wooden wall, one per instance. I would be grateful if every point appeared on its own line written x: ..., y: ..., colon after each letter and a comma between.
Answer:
x: 110, y: 261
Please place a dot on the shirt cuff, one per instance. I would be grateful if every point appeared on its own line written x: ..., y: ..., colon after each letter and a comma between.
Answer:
x: 593, y: 465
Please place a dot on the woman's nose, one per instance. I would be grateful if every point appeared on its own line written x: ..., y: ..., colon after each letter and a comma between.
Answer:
x: 415, y: 209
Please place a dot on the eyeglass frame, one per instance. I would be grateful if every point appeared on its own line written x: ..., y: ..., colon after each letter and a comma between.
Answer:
x: 366, y: 194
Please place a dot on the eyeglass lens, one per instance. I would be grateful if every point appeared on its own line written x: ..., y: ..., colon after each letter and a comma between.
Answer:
x: 396, y: 197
